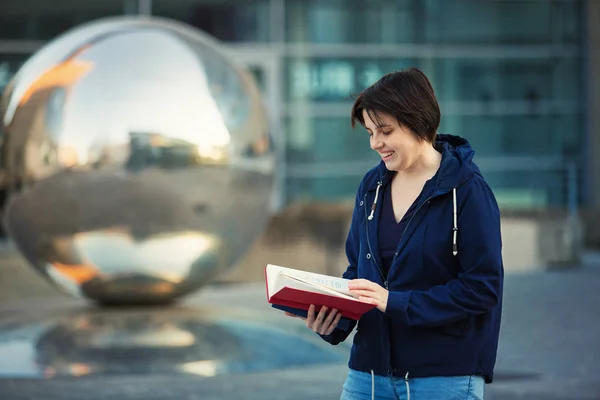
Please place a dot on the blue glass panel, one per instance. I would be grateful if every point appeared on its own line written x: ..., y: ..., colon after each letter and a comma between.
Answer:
x: 43, y: 20
x: 229, y: 21
x: 352, y: 21
x: 327, y: 79
x: 496, y: 79
x: 519, y: 135
x: 326, y: 140
x: 494, y: 22
x: 323, y: 188
x: 433, y: 21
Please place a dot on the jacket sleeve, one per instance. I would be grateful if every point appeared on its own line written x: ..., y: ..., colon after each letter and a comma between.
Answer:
x: 352, y: 250
x: 478, y: 287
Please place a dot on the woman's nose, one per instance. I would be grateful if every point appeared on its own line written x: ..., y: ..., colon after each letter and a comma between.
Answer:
x: 376, y: 144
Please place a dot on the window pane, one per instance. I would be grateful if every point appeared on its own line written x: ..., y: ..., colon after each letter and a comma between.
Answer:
x: 532, y: 188
x: 568, y: 15
x: 326, y: 140
x: 518, y: 135
x: 433, y: 21
x: 322, y: 79
x: 351, y: 21
x: 43, y: 20
x: 229, y: 21
x: 323, y: 188
x: 474, y: 21
x: 507, y: 79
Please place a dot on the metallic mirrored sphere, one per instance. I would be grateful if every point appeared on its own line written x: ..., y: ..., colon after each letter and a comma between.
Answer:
x: 137, y: 161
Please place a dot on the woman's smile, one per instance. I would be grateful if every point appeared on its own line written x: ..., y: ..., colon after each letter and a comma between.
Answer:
x: 385, y: 156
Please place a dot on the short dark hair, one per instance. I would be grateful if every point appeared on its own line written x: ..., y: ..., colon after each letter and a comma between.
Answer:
x: 406, y: 95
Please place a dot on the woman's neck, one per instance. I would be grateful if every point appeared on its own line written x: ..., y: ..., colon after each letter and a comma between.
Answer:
x: 426, y: 164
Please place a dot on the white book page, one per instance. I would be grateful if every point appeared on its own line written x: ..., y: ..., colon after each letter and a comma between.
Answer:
x: 277, y: 275
x: 284, y: 280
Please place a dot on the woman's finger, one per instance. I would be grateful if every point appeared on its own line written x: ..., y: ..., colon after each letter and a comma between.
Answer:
x: 333, y: 323
x: 370, y: 300
x: 364, y: 293
x: 310, y: 317
x: 362, y: 284
x: 318, y: 325
x: 330, y: 317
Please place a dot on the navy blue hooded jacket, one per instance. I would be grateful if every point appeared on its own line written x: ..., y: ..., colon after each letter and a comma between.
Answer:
x: 443, y: 312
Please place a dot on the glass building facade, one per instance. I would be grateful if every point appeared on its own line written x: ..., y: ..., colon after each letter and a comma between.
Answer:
x: 509, y: 76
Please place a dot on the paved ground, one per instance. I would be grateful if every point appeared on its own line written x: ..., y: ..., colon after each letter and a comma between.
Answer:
x: 550, y: 345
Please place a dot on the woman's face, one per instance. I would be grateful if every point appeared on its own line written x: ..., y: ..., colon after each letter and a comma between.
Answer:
x: 397, y: 146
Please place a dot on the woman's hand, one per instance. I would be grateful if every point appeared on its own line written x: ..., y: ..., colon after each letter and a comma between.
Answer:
x: 369, y: 292
x: 323, y: 323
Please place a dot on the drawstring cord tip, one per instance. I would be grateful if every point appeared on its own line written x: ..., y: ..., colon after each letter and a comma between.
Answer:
x: 455, y: 224
x: 370, y: 218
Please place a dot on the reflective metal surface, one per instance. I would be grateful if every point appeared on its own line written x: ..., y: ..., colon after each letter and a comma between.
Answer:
x: 137, y: 161
x: 152, y: 342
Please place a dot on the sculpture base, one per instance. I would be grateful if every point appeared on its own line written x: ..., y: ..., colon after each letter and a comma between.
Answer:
x: 87, y: 342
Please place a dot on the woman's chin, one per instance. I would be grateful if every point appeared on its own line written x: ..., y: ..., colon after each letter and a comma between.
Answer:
x: 391, y: 165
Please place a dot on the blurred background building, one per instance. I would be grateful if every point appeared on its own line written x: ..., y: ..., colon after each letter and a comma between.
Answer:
x: 518, y: 78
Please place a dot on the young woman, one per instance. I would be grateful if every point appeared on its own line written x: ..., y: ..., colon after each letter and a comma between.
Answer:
x: 424, y: 246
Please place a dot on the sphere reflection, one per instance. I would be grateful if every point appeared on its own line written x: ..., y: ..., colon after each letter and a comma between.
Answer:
x: 152, y: 342
x: 138, y: 160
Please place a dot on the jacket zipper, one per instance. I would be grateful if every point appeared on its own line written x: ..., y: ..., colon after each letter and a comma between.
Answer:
x: 406, y: 227
x: 385, y: 282
x: 411, y: 218
x: 395, y: 255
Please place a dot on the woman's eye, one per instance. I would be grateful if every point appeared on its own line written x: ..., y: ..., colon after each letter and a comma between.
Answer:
x: 387, y: 133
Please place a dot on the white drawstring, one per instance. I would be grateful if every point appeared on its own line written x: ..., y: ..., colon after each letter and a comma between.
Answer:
x: 455, y: 227
x: 375, y: 201
x: 407, y: 386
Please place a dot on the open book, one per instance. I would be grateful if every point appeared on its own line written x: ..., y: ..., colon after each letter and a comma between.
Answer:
x: 295, y: 290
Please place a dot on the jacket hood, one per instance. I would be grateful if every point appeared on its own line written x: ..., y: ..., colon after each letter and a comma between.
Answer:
x: 456, y: 167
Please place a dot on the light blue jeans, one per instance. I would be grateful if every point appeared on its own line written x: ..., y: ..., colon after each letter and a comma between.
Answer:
x: 364, y: 386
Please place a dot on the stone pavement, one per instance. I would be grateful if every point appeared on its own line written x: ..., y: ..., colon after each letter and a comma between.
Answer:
x: 550, y: 346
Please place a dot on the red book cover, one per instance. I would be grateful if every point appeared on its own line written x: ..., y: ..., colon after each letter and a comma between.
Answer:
x: 302, y: 298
